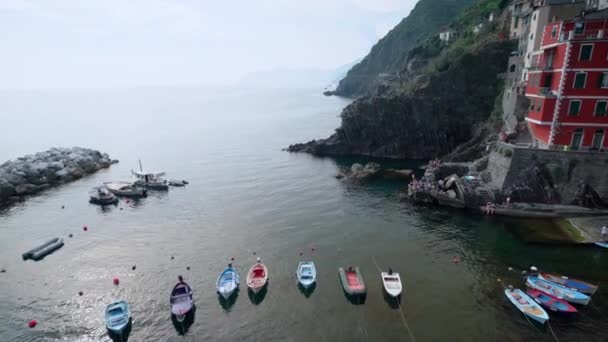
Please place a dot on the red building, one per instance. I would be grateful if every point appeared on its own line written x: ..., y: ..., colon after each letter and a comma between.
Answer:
x: 568, y: 86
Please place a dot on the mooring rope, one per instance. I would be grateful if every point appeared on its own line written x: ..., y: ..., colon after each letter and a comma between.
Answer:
x: 552, y: 332
x: 403, y: 319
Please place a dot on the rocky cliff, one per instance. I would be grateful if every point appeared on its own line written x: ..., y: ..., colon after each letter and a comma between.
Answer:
x: 36, y: 172
x: 390, y: 54
x: 442, y: 111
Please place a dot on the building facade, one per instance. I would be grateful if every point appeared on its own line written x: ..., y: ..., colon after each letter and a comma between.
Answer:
x: 568, y: 86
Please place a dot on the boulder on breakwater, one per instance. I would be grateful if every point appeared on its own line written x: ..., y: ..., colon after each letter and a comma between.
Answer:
x: 33, y: 173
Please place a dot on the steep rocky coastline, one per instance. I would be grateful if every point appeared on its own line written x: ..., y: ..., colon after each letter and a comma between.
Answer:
x: 34, y: 173
x: 442, y: 111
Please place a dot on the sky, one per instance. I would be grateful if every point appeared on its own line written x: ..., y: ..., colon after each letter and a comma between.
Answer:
x: 115, y: 43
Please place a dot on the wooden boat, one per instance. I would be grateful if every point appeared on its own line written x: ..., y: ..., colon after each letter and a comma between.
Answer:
x: 181, y: 301
x: 306, y: 273
x: 125, y: 189
x: 579, y: 285
x: 558, y: 290
x: 551, y: 302
x: 43, y: 250
x: 527, y: 305
x: 352, y: 281
x: 101, y: 195
x: 257, y: 277
x: 228, y: 282
x: 392, y: 283
x: 118, y: 316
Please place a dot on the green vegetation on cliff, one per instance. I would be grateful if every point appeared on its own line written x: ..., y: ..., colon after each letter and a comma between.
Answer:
x: 389, y: 54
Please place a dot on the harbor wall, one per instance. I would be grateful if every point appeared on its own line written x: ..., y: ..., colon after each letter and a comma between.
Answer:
x: 549, y: 176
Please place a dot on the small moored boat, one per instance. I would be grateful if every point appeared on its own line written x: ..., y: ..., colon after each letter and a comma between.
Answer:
x: 118, y: 316
x: 306, y: 273
x: 150, y: 180
x: 257, y: 277
x: 43, y: 250
x: 125, y: 189
x: 101, y: 195
x: 352, y: 281
x: 392, y: 283
x: 558, y: 291
x: 602, y: 244
x: 228, y: 282
x: 575, y: 284
x: 526, y: 305
x: 551, y: 302
x: 181, y: 300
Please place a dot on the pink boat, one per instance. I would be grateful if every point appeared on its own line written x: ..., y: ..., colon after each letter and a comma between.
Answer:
x: 257, y: 277
x: 551, y: 302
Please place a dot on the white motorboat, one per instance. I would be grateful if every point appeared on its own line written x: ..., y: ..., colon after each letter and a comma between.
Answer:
x: 101, y: 195
x: 150, y: 180
x: 392, y: 283
x: 125, y: 189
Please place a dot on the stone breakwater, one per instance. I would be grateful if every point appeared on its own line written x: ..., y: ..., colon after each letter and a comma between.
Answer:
x: 33, y: 173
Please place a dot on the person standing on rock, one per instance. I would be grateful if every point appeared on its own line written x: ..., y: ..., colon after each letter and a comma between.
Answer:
x: 605, y: 233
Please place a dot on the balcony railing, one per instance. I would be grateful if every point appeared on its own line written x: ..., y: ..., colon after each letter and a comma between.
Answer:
x: 586, y: 35
x: 546, y: 91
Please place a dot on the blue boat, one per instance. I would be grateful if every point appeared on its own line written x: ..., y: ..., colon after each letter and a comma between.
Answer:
x: 558, y: 291
x: 602, y: 244
x: 118, y: 316
x: 579, y: 285
x: 228, y: 282
x: 306, y: 273
x: 526, y: 305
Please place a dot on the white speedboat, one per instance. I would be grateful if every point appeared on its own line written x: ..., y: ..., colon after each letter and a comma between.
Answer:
x: 101, y: 195
x: 125, y: 189
x: 392, y: 283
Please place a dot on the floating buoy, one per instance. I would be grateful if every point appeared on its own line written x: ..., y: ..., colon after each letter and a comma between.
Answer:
x: 134, y: 267
x: 70, y: 235
x: 85, y: 228
x: 3, y: 270
x: 312, y: 249
x: 63, y: 207
x: 172, y: 257
x: 339, y: 251
x: 455, y: 260
x: 120, y: 208
x: 32, y: 323
x: 510, y: 268
x: 253, y: 252
x: 188, y: 268
x: 301, y: 253
x: 80, y: 293
x: 232, y: 259
x: 499, y: 280
x: 116, y: 281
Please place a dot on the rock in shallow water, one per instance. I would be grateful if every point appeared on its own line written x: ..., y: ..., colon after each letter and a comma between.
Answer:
x: 33, y: 173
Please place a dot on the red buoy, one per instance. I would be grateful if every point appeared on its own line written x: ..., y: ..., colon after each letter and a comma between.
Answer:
x: 116, y: 281
x: 32, y: 323
x: 455, y: 260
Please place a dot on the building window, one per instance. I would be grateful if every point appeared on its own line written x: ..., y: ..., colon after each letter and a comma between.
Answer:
x: 603, y: 81
x: 586, y: 51
x: 512, y: 68
x: 600, y: 108
x: 598, y: 140
x: 575, y: 108
x: 554, y: 32
x: 531, y: 36
x: 579, y: 80
x: 516, y: 23
x: 579, y: 28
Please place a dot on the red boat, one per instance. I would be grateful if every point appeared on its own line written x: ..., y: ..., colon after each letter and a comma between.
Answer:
x: 257, y: 277
x: 352, y: 281
x: 551, y: 302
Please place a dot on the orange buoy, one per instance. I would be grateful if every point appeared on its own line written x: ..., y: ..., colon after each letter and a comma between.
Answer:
x: 116, y: 281
x: 32, y: 323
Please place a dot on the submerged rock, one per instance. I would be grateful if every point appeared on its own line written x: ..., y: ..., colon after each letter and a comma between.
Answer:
x: 33, y: 173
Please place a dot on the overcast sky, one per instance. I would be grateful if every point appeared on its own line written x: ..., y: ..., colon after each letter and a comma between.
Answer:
x: 109, y: 43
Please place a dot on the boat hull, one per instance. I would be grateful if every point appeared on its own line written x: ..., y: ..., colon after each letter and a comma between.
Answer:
x: 117, y: 323
x: 391, y: 284
x: 43, y: 250
x: 602, y: 244
x: 527, y: 305
x: 307, y: 274
x: 352, y: 281
x: 558, y: 291
x: 257, y: 277
x: 575, y: 284
x: 227, y: 283
x: 550, y: 302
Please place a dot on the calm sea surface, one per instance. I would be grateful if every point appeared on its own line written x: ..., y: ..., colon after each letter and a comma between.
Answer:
x: 246, y: 195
